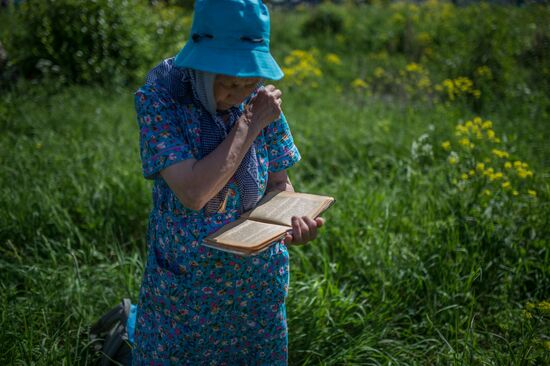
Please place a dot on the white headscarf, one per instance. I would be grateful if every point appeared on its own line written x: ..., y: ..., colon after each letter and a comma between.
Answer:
x: 203, y: 83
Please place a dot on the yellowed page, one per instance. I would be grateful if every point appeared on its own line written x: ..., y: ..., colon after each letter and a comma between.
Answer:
x: 279, y: 206
x: 248, y: 235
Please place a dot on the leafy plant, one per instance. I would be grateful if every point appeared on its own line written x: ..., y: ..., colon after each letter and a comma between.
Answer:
x: 82, y: 41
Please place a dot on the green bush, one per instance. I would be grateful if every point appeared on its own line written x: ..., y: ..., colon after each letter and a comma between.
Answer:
x: 325, y: 19
x: 82, y: 41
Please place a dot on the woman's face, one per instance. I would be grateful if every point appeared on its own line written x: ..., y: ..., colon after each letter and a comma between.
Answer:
x: 230, y: 91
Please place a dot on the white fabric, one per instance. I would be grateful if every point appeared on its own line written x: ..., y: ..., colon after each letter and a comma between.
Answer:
x: 203, y: 83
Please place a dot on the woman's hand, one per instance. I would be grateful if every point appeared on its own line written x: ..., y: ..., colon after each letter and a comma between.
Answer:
x: 264, y: 108
x: 304, y: 229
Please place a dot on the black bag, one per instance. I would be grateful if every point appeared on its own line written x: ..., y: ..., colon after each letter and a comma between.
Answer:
x: 109, y: 336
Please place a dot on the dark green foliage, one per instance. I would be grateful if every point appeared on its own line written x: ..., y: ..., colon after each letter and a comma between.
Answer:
x: 325, y: 20
x: 82, y: 41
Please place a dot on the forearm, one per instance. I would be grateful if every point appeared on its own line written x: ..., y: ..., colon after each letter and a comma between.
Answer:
x: 280, y: 181
x: 212, y: 173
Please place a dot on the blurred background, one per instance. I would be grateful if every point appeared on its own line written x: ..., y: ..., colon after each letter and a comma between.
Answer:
x: 427, y: 120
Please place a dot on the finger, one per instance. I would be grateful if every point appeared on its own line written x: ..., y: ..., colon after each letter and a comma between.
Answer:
x: 296, y: 230
x: 270, y: 87
x: 304, y: 230
x: 288, y: 239
x: 277, y: 93
x: 320, y: 221
x: 312, y: 225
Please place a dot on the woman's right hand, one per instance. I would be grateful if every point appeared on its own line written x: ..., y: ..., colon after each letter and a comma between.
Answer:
x: 265, y: 107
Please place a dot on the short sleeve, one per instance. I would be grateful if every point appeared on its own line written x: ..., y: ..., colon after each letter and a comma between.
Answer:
x: 162, y: 141
x: 282, y: 153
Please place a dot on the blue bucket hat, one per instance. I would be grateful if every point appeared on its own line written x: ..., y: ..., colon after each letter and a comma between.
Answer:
x: 230, y: 37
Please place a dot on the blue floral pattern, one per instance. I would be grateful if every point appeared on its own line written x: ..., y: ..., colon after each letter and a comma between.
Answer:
x: 198, y: 305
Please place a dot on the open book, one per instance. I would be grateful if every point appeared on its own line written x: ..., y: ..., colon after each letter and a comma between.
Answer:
x: 269, y: 221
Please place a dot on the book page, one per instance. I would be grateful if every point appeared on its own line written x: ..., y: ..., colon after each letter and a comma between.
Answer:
x: 279, y: 206
x: 248, y: 234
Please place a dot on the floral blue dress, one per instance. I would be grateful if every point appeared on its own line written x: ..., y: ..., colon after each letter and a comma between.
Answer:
x: 198, y: 305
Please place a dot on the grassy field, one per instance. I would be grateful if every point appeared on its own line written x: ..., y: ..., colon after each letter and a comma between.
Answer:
x: 427, y: 257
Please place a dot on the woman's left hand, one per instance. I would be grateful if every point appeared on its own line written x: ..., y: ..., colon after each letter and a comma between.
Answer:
x: 304, y: 229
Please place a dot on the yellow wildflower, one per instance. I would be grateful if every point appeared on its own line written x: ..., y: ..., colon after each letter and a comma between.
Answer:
x: 477, y: 120
x: 496, y: 176
x: 508, y: 165
x: 506, y: 185
x: 515, y: 193
x: 472, y: 173
x: 423, y: 37
x: 484, y: 71
x: 333, y: 58
x: 398, y: 18
x: 461, y: 129
x: 522, y: 174
x: 480, y: 166
x: 517, y: 164
x: 500, y: 153
x: 533, y: 194
x: 378, y: 72
x: 487, y: 192
x: 413, y: 67
x: 490, y: 134
x: 464, y: 142
x: 453, y: 158
x: 544, y: 306
x: 487, y: 125
x: 464, y: 176
x: 446, y: 145
x: 301, y: 66
x: 359, y: 83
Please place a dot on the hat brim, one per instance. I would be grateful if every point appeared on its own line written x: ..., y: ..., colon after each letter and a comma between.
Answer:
x: 246, y: 63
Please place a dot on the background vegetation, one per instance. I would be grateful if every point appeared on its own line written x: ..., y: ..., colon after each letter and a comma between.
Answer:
x: 428, y: 122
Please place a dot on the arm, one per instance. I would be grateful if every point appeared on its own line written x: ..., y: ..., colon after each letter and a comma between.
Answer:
x: 279, y: 180
x: 195, y: 182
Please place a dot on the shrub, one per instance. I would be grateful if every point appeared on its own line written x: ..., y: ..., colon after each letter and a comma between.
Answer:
x: 82, y: 41
x: 326, y: 19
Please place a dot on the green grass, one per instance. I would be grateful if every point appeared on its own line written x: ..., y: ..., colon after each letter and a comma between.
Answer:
x: 398, y: 276
x: 408, y: 270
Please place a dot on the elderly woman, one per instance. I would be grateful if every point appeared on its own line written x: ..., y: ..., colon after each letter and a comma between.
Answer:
x: 214, y: 140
